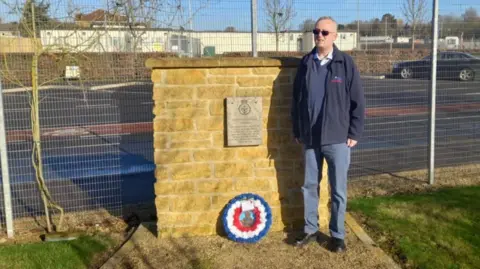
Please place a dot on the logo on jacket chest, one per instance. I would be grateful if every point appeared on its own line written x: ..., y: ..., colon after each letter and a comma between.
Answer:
x: 337, y: 79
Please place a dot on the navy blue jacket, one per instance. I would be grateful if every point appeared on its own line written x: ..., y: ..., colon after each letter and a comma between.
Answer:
x: 344, y: 103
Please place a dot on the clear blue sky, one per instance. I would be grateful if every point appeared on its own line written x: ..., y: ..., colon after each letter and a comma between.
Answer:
x: 222, y: 13
x: 237, y: 12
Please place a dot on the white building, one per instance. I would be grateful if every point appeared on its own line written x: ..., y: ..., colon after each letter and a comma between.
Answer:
x: 376, y: 39
x: 9, y: 30
x: 157, y: 40
x: 402, y: 39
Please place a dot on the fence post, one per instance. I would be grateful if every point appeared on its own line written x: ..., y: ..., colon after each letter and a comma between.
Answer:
x: 7, y: 197
x: 254, y: 28
x: 433, y: 95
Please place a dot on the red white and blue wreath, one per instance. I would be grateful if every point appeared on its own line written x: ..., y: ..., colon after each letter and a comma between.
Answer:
x: 247, y: 218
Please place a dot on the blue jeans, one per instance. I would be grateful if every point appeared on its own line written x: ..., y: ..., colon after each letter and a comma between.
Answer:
x: 338, y: 160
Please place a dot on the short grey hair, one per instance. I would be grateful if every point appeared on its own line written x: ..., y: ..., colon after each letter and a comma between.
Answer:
x: 328, y: 18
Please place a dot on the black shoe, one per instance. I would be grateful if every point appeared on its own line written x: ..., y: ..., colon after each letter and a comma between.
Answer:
x: 305, y: 238
x: 337, y: 245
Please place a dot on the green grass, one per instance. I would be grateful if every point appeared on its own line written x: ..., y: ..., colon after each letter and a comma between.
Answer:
x: 433, y: 230
x: 67, y: 254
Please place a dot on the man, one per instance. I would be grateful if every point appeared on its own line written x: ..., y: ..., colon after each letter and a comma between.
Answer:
x: 328, y: 119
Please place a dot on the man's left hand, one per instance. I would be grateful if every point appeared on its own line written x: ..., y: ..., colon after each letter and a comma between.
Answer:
x: 351, y: 143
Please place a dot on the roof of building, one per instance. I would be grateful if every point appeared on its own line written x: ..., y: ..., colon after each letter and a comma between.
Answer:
x: 101, y: 15
x: 8, y: 27
x: 375, y: 37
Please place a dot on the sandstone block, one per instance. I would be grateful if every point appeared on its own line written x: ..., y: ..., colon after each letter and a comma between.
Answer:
x: 214, y: 92
x: 224, y: 170
x: 173, y: 187
x: 190, y: 203
x: 185, y: 76
x: 176, y: 156
x: 190, y: 171
x: 173, y: 125
x: 215, y: 186
x: 214, y: 155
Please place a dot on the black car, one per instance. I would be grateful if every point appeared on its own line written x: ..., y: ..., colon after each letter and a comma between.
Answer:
x: 450, y: 65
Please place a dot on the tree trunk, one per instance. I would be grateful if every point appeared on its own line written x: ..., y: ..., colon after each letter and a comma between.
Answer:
x: 276, y: 41
x: 413, y: 42
x: 35, y: 118
x: 37, y: 149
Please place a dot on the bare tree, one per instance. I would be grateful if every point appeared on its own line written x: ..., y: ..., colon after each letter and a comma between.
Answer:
x: 470, y: 15
x: 42, y: 18
x: 307, y: 25
x: 137, y: 15
x: 414, y: 12
x: 38, y: 26
x: 29, y: 24
x: 34, y: 17
x: 141, y: 14
x: 279, y: 14
x: 230, y: 29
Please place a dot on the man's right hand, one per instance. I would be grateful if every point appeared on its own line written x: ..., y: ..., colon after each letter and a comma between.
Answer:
x: 297, y: 140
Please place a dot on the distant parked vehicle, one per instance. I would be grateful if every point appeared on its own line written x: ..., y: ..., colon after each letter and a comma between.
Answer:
x: 450, y: 65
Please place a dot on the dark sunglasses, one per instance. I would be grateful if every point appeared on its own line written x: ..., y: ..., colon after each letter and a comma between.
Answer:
x: 317, y: 32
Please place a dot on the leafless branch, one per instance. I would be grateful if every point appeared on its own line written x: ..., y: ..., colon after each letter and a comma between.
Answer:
x: 279, y: 15
x: 414, y: 12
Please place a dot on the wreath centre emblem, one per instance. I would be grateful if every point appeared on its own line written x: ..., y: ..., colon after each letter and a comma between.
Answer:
x: 247, y: 218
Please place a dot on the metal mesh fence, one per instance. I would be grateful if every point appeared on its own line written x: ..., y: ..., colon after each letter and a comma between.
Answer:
x: 80, y: 152
x: 457, y: 132
x: 94, y: 114
x: 95, y: 97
